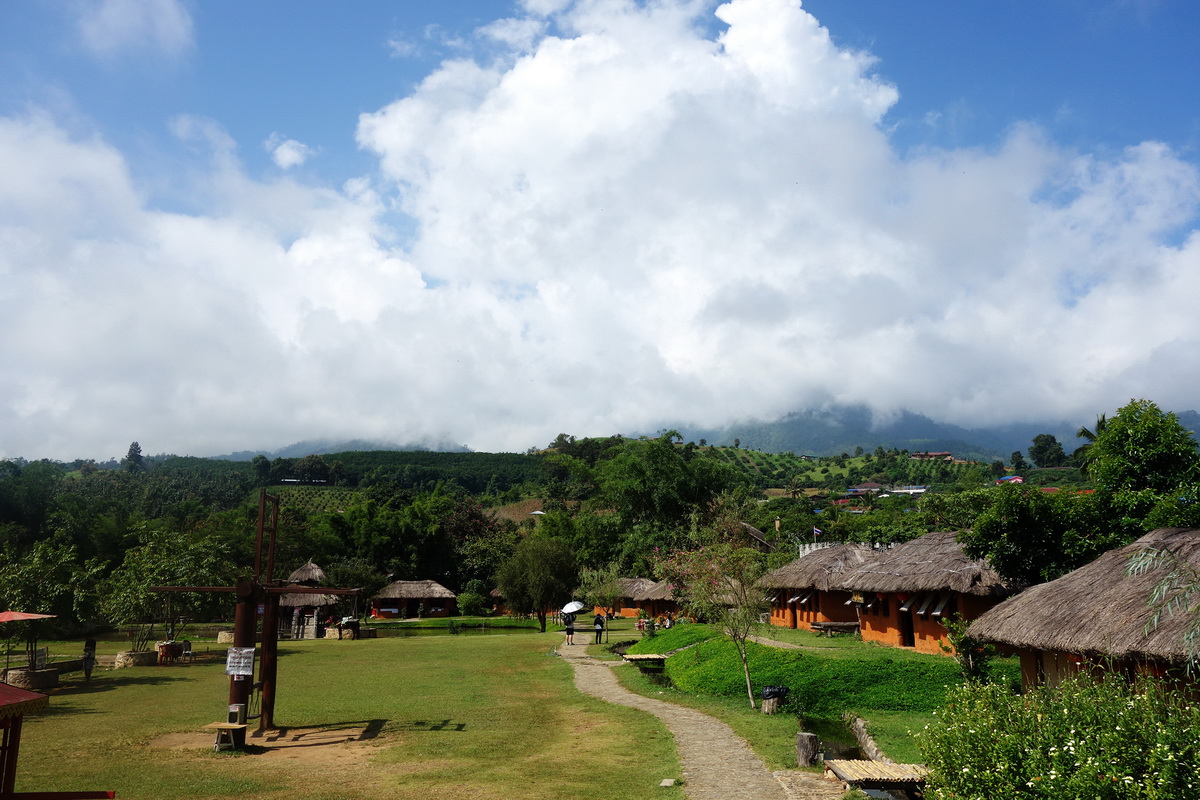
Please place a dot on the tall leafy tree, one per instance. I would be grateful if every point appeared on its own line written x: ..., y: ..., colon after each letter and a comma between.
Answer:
x: 1083, y: 454
x: 165, y: 559
x: 718, y: 581
x: 134, y: 462
x: 1143, y: 448
x: 540, y: 575
x: 1046, y: 451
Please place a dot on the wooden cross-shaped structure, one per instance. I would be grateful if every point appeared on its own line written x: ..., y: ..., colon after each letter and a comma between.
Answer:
x: 261, y: 591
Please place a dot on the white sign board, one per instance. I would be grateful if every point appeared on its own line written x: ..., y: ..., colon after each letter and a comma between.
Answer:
x: 239, y: 661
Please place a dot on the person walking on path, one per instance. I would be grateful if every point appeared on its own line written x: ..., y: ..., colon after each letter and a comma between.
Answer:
x: 569, y: 621
x: 598, y: 624
x: 89, y: 658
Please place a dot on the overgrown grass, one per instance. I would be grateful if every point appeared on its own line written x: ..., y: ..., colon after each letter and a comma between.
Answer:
x: 674, y: 638
x: 458, y: 717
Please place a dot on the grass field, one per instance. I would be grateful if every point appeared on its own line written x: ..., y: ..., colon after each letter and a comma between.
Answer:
x: 451, y: 717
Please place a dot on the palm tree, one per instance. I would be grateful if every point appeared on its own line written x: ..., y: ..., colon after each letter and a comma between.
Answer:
x: 1083, y: 453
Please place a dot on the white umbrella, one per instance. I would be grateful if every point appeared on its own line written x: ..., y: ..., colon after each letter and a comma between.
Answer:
x: 572, y: 607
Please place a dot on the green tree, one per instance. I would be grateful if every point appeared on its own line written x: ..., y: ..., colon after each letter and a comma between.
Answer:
x: 133, y: 461
x: 262, y: 469
x: 655, y: 481
x: 718, y: 582
x: 48, y: 579
x: 165, y: 559
x: 1046, y: 451
x: 1143, y: 447
x: 602, y: 587
x: 1018, y: 461
x: 1029, y: 536
x: 539, y: 576
x: 1082, y: 455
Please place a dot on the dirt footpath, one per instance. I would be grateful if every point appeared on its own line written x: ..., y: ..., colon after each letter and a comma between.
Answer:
x: 717, y: 763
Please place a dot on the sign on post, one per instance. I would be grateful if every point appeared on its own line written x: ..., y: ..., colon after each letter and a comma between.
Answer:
x: 239, y: 661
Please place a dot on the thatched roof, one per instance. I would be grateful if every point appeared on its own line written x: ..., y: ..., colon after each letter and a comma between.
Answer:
x: 309, y: 575
x: 821, y: 569
x: 634, y: 587
x: 306, y: 600
x: 414, y: 590
x: 1098, y: 609
x: 660, y: 590
x: 935, y: 562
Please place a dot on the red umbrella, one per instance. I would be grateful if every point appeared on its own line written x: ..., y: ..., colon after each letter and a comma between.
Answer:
x: 17, y: 616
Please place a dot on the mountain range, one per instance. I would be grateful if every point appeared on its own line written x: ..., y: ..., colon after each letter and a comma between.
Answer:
x: 830, y: 431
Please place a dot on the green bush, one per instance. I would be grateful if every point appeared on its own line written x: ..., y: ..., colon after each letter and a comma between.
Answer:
x: 1103, y: 739
x: 471, y: 604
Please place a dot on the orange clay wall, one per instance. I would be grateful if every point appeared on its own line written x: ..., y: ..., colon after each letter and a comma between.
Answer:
x: 828, y: 607
x: 928, y: 632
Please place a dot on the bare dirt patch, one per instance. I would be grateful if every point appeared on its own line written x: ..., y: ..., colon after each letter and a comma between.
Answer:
x: 314, y: 746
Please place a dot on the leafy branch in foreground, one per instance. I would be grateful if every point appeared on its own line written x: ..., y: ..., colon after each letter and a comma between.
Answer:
x: 1176, y: 593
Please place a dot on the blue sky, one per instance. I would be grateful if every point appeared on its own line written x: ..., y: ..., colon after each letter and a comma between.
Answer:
x: 236, y: 225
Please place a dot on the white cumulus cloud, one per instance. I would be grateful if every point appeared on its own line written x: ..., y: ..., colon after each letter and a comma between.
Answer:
x: 109, y: 27
x: 632, y: 214
x: 287, y: 153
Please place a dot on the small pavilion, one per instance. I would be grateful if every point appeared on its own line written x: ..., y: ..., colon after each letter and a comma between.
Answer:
x: 15, y: 703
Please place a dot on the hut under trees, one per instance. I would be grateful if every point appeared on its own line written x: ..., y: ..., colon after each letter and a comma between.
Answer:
x: 307, y: 610
x: 1101, y: 617
x: 657, y: 600
x: 904, y: 594
x: 626, y: 604
x: 808, y: 590
x: 407, y: 599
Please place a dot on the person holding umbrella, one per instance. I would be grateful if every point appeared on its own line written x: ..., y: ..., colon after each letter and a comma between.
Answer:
x: 568, y: 618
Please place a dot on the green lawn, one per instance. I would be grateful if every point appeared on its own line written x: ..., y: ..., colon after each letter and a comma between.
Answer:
x: 457, y: 717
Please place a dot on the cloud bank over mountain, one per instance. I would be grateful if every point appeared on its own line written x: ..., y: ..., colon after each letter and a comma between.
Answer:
x: 604, y: 215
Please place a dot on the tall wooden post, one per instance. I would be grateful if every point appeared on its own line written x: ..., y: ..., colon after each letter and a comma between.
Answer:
x: 270, y: 661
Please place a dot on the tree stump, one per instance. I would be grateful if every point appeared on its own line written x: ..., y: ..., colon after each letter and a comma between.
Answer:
x: 808, y: 749
x: 770, y: 705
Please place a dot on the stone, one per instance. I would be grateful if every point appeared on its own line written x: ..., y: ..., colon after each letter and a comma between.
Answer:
x: 667, y: 783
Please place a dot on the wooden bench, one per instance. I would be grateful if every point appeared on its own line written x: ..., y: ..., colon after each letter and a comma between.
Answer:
x: 829, y: 628
x: 225, y: 731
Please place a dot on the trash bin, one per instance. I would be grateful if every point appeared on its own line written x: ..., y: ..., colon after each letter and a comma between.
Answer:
x: 775, y: 693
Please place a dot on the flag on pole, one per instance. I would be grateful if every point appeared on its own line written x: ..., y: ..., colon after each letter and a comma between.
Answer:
x: 817, y: 531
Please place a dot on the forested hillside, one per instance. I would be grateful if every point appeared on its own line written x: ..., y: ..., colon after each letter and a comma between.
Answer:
x: 85, y: 543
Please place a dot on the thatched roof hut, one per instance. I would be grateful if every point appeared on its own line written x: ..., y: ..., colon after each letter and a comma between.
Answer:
x: 308, y: 575
x: 932, y: 563
x: 414, y: 590
x: 822, y: 569
x: 1098, y: 609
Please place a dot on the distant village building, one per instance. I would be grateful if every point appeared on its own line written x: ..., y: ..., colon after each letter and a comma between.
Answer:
x: 408, y: 599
